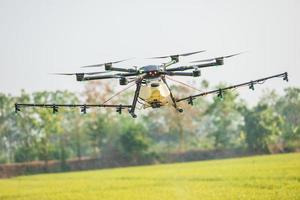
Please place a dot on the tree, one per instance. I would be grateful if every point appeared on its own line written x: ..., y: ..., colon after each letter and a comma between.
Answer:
x: 78, y: 136
x: 288, y: 106
x: 53, y: 127
x: 8, y: 133
x: 95, y: 128
x: 225, y: 120
x: 98, y: 121
x: 262, y: 125
x: 134, y: 141
x: 26, y: 130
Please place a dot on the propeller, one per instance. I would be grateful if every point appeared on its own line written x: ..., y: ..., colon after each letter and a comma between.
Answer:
x: 104, y: 64
x: 218, y: 58
x: 87, y: 73
x: 177, y: 55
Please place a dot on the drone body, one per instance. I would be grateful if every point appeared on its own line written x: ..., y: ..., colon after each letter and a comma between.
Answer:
x: 152, y: 89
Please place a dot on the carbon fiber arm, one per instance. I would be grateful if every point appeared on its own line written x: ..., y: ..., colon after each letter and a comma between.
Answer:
x: 184, y: 68
x: 88, y: 78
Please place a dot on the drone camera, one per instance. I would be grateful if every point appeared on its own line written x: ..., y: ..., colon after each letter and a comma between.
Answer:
x: 123, y: 81
x: 79, y: 76
x: 196, y: 73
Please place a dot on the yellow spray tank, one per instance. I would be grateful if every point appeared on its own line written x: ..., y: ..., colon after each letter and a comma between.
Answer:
x: 155, y: 94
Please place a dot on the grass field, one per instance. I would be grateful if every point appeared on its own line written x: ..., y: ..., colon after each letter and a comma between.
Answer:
x: 260, y: 177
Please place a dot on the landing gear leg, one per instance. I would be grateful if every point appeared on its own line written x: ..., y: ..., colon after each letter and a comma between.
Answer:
x: 172, y: 97
x: 136, y: 96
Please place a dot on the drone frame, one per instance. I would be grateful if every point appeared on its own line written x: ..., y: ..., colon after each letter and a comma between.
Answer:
x: 139, y: 77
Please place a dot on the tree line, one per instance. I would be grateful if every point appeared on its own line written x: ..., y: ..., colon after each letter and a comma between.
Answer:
x: 271, y: 125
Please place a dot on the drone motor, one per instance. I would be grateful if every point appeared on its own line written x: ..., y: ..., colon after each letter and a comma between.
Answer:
x: 196, y: 73
x: 123, y: 81
x: 79, y: 76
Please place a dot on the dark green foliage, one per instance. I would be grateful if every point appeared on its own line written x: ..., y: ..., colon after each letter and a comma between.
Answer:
x: 95, y: 128
x: 225, y: 121
x: 261, y: 125
x: 134, y: 141
x: 25, y: 154
x: 288, y: 106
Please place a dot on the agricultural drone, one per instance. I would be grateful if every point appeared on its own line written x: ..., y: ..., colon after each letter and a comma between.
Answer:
x: 152, y: 89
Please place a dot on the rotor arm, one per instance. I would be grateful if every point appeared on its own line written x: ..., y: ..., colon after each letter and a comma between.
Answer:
x: 179, y: 73
x: 181, y: 68
x: 184, y: 68
x: 120, y: 75
x: 211, y: 64
x: 195, y: 73
x: 121, y: 69
x: 221, y: 90
x: 88, y: 78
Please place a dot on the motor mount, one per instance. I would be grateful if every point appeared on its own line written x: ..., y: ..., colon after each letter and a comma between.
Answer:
x: 220, y: 61
x: 196, y: 73
x: 123, y: 81
x: 79, y: 76
x: 108, y: 66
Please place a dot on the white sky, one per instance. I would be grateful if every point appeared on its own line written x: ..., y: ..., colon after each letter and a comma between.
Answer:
x: 38, y: 37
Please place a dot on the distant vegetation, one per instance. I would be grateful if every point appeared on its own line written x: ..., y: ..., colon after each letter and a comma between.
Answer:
x: 270, y: 126
x: 260, y: 177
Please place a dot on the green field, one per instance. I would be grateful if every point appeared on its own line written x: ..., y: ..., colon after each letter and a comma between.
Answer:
x: 260, y: 177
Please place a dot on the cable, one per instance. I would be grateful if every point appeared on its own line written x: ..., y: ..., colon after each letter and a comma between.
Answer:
x: 184, y: 84
x: 118, y: 93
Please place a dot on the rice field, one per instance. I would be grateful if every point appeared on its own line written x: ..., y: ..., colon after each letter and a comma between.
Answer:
x: 259, y: 177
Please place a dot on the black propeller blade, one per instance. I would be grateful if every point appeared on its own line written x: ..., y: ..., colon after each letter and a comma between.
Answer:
x: 66, y: 74
x: 103, y: 64
x: 177, y: 55
x: 87, y: 73
x: 233, y: 55
x: 218, y: 58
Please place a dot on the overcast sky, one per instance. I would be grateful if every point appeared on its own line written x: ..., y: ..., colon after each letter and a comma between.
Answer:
x: 38, y: 37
